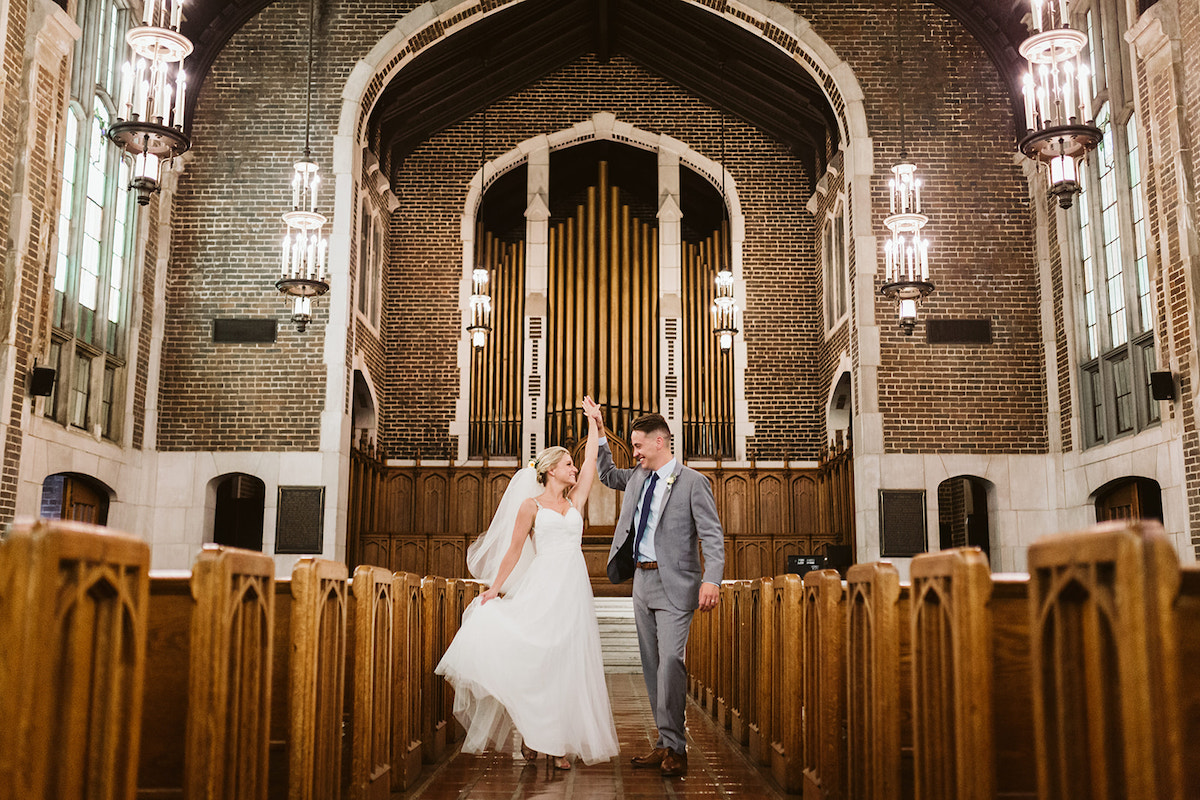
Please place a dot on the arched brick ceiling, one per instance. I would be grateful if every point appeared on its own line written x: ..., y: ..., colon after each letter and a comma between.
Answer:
x: 674, y: 39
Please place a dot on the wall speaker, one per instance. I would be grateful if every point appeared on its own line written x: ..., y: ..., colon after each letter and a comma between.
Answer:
x: 1162, y: 385
x: 41, y: 381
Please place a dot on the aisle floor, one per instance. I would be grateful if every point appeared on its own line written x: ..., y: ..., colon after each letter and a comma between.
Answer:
x: 716, y: 767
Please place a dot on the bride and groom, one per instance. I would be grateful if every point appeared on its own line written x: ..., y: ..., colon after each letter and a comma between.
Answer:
x: 527, y: 656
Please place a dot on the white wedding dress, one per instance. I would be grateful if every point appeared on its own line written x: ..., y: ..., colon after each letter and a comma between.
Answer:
x: 530, y: 660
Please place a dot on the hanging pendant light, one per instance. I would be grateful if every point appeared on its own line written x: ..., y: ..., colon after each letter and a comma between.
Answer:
x: 149, y: 124
x: 1061, y: 132
x: 906, y: 250
x: 302, y: 270
x: 481, y: 302
x: 724, y: 308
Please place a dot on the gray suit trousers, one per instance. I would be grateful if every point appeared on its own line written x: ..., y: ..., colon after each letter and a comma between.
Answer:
x: 662, y: 638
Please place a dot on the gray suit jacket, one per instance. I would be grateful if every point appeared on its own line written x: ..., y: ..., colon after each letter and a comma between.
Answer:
x: 688, y: 516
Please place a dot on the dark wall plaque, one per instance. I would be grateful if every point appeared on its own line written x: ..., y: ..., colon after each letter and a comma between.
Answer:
x: 243, y: 331
x: 299, y: 520
x: 802, y: 565
x: 902, y: 523
x: 958, y: 331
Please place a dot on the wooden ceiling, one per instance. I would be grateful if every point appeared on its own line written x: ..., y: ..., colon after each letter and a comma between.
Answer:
x: 724, y: 65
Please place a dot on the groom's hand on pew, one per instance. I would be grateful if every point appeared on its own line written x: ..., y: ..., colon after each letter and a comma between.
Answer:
x: 710, y: 595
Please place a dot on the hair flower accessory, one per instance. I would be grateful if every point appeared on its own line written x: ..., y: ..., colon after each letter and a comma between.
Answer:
x: 532, y: 464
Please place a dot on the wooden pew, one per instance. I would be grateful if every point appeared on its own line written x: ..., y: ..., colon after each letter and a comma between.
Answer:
x: 316, y: 672
x: 207, y: 700
x: 878, y: 685
x: 745, y: 636
x: 787, y: 702
x: 370, y: 622
x: 766, y: 658
x: 1115, y: 634
x: 406, y: 699
x: 824, y: 686
x: 434, y: 715
x: 73, y: 605
x: 972, y: 684
x: 726, y: 653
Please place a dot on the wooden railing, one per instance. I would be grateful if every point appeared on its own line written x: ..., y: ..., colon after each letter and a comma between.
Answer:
x: 308, y: 687
x: 960, y: 684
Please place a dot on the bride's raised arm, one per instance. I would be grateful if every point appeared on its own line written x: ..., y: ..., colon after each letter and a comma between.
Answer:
x: 587, y: 469
x: 521, y: 529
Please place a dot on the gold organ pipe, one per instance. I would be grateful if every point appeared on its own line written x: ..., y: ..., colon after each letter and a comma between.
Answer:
x: 613, y: 336
x: 652, y: 322
x: 629, y: 310
x: 635, y: 315
x: 552, y: 338
x: 579, y: 332
x: 598, y: 362
x: 589, y: 355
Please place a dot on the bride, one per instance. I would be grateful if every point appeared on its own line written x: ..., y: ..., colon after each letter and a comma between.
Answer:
x: 529, y: 658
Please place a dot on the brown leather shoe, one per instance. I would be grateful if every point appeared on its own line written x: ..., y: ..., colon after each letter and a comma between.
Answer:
x: 674, y: 764
x: 652, y: 759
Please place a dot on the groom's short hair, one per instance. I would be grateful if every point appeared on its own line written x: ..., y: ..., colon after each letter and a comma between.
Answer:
x: 653, y: 425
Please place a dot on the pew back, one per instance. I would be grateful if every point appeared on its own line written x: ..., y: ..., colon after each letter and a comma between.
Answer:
x: 371, y: 619
x: 73, y: 600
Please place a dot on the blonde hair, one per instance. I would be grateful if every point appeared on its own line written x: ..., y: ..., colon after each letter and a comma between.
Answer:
x: 547, y: 460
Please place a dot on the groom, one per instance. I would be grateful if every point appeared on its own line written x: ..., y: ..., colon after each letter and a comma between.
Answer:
x: 668, y: 508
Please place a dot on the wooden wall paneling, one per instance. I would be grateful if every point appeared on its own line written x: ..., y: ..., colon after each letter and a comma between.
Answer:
x: 771, y: 504
x: 467, y: 502
x: 805, y: 516
x: 399, y: 492
x: 433, y: 500
x: 317, y: 680
x: 375, y: 549
x: 737, y: 511
x: 73, y: 618
x: 371, y: 623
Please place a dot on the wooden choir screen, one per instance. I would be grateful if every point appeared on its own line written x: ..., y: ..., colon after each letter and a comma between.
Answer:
x: 708, y: 378
x: 603, y: 321
x: 425, y: 516
x: 496, y: 368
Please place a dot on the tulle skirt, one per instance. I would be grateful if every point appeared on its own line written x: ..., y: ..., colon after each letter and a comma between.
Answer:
x: 530, y: 661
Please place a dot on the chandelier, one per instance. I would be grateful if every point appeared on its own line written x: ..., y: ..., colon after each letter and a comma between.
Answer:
x: 1061, y: 132
x: 149, y: 124
x: 724, y: 307
x: 906, y: 252
x: 481, y: 302
x: 302, y: 271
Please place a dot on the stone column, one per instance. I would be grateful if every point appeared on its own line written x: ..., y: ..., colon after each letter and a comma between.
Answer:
x: 670, y: 293
x: 537, y: 285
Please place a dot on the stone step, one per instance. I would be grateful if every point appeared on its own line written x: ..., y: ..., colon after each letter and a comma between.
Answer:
x: 618, y: 635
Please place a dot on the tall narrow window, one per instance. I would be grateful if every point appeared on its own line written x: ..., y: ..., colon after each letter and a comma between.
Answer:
x: 95, y: 235
x: 370, y: 264
x: 1116, y: 309
x: 834, y: 259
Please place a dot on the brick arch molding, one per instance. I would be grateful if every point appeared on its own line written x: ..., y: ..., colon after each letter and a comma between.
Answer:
x: 432, y: 22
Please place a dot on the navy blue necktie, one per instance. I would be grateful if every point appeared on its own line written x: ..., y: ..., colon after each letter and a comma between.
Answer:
x: 645, y: 517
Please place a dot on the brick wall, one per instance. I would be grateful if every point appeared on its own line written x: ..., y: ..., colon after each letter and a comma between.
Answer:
x: 959, y: 131
x: 248, y: 130
x: 780, y: 269
x: 838, y: 340
x: 960, y: 134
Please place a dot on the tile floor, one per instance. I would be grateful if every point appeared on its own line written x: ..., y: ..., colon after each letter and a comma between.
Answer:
x: 716, y: 767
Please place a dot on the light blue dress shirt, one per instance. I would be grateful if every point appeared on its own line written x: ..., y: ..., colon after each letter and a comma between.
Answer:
x: 646, y: 550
